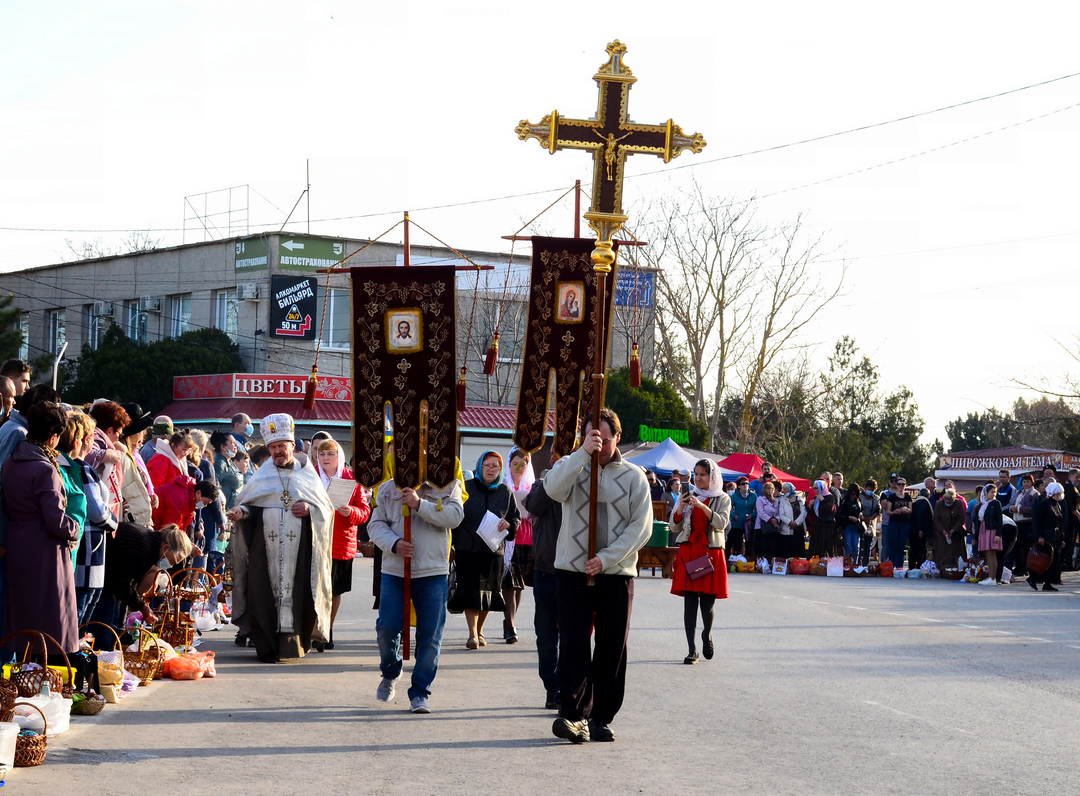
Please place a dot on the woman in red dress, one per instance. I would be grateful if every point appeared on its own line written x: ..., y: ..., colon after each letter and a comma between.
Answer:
x: 701, y: 518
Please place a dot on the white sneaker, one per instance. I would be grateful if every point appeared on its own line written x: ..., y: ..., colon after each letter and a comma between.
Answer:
x: 419, y: 705
x: 385, y: 691
x: 988, y: 582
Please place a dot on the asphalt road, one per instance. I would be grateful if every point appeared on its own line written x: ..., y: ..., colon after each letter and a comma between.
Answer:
x: 819, y: 686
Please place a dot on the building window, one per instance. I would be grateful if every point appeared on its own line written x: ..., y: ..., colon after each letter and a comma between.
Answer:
x: 24, y: 330
x: 135, y: 321
x: 335, y: 332
x: 180, y: 321
x: 57, y: 330
x: 225, y: 310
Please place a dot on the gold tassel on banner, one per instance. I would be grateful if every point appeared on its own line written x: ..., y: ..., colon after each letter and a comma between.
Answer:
x: 635, y: 367
x: 492, y: 354
x: 461, y: 390
x: 309, y: 390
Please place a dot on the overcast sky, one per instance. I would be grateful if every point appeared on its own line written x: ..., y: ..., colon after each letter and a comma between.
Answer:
x: 960, y: 261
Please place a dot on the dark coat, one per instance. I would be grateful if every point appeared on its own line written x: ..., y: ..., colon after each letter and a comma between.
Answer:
x: 132, y: 553
x: 41, y: 579
x: 1048, y: 522
x: 547, y: 520
x: 499, y: 501
x: 922, y: 517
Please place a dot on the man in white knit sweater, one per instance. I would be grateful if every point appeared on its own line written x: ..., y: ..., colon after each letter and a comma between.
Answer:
x: 592, y: 681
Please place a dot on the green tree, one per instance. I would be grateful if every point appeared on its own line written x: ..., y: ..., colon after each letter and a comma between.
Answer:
x: 124, y: 370
x: 11, y: 339
x: 653, y: 403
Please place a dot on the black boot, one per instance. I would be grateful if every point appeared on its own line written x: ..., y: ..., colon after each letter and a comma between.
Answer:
x: 552, y: 700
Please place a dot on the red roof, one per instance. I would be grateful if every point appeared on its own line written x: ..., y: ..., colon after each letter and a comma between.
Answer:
x: 221, y: 410
x: 751, y: 465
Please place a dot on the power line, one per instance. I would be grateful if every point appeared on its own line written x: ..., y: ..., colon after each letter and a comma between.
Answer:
x: 693, y: 164
x: 861, y: 128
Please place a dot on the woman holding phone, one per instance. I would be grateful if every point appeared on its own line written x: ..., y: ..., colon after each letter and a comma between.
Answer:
x: 701, y: 517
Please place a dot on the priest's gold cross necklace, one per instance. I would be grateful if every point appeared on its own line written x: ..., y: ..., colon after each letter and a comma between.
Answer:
x: 286, y: 498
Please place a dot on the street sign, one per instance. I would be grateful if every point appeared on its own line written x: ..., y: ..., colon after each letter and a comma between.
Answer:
x: 293, y: 307
x: 252, y: 254
x: 634, y: 288
x: 306, y: 254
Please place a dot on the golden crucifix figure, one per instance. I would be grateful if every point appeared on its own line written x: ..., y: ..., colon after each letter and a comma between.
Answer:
x: 609, y: 149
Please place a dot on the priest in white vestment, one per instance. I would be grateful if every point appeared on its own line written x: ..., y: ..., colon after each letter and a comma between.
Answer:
x: 282, y: 550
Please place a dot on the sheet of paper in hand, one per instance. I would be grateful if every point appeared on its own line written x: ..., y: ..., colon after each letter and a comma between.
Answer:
x: 489, y: 531
x: 340, y: 491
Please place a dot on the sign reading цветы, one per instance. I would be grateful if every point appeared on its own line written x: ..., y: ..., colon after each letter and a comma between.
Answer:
x: 648, y: 434
x: 303, y: 254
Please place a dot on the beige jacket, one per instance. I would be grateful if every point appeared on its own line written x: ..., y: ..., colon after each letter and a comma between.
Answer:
x: 624, y: 513
x: 136, y: 495
x: 720, y: 507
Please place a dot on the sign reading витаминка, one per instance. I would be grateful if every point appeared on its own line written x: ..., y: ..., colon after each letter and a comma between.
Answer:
x: 649, y: 434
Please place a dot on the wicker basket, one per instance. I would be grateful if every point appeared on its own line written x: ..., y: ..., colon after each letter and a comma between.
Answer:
x: 9, y: 693
x: 30, y: 749
x: 90, y: 704
x: 143, y: 663
x: 117, y: 645
x: 194, y: 584
x: 950, y: 569
x: 30, y: 681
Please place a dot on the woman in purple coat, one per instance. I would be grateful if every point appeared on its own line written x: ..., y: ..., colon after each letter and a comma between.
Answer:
x: 41, y: 579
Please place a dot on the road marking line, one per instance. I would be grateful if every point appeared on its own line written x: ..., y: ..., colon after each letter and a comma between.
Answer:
x: 1032, y: 638
x: 1004, y: 633
x: 854, y: 607
x: 890, y: 613
x: 819, y: 602
x: 740, y: 591
x: 973, y: 627
x: 928, y: 619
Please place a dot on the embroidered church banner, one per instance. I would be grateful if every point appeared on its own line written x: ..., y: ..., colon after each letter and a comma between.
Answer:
x: 403, y: 354
x: 560, y: 341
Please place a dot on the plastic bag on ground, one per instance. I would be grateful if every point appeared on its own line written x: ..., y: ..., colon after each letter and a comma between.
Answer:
x: 191, y: 666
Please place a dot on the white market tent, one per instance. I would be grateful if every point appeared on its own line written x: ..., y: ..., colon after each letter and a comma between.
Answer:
x: 667, y: 457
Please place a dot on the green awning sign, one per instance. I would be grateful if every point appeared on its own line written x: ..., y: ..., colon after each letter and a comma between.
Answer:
x: 305, y: 254
x: 252, y: 254
x: 647, y: 434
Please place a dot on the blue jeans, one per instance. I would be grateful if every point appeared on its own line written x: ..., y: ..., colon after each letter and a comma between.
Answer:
x: 546, y: 624
x: 852, y: 538
x: 894, y: 539
x: 429, y: 600
x: 86, y: 600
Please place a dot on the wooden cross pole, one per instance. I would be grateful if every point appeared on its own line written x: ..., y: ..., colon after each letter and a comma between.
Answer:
x: 610, y: 136
x: 406, y: 628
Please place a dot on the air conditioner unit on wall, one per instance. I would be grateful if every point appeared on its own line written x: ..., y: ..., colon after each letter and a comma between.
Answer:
x: 150, y: 304
x: 248, y: 292
x: 103, y: 309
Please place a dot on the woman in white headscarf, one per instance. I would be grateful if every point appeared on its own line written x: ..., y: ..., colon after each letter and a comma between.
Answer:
x: 330, y: 463
x: 519, y: 477
x: 701, y: 517
x: 990, y: 527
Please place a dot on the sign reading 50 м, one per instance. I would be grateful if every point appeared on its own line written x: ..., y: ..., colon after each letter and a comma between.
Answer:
x: 305, y: 254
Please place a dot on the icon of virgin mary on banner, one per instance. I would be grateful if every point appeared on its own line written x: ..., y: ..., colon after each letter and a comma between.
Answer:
x: 560, y: 341
x: 403, y: 360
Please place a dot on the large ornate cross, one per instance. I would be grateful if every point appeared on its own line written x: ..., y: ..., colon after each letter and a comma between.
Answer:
x: 610, y: 136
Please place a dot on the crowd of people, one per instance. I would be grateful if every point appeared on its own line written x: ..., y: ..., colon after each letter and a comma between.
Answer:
x: 907, y: 526
x: 97, y: 501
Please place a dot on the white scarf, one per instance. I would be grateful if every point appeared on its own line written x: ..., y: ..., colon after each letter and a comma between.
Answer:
x: 528, y: 478
x: 163, y: 447
x: 983, y: 503
x: 340, y: 465
x: 716, y: 483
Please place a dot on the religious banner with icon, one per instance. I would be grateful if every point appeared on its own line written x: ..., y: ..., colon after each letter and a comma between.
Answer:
x: 403, y: 374
x: 560, y: 341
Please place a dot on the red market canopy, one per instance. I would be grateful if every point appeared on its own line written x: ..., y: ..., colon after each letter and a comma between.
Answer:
x: 751, y: 465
